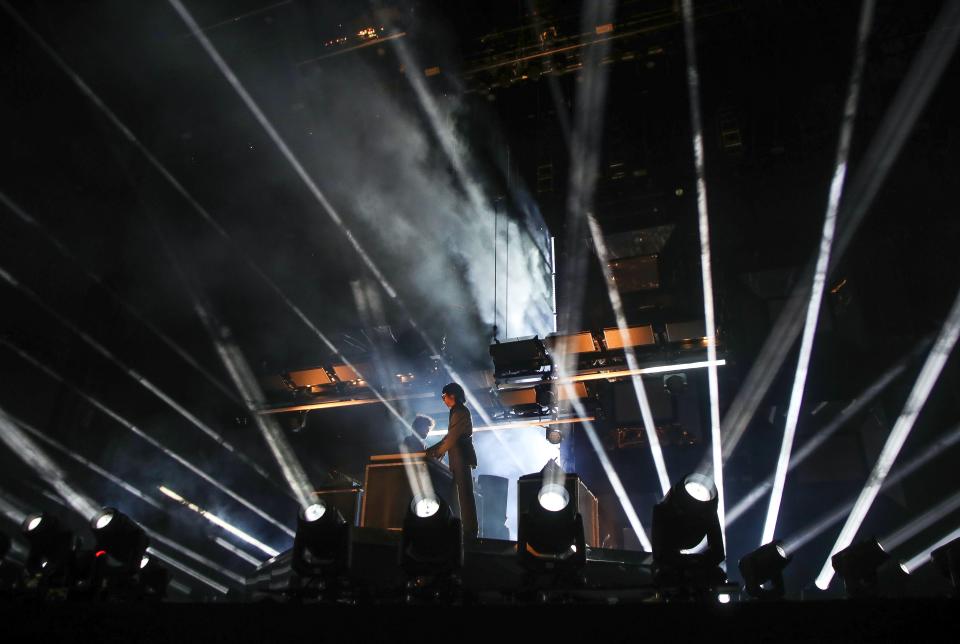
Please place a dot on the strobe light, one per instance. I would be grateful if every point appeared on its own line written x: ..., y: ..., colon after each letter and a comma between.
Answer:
x: 51, y: 545
x: 859, y: 566
x: 322, y: 546
x: 762, y: 571
x: 432, y: 539
x: 687, y: 541
x: 122, y: 540
x: 550, y: 535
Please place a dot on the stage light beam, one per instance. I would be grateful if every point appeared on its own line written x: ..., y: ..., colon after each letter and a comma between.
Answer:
x: 650, y: 427
x: 37, y: 459
x: 706, y: 270
x: 820, y: 271
x: 217, y: 521
x: 818, y: 439
x: 925, y: 72
x: 922, y: 558
x: 937, y: 448
x: 898, y: 435
x: 146, y: 437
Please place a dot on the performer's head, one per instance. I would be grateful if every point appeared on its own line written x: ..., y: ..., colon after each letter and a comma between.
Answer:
x: 453, y: 395
x: 422, y: 425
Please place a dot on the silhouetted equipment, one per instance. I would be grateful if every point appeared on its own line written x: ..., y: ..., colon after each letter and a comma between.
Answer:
x: 519, y: 356
x: 762, y: 571
x: 686, y: 520
x: 121, y: 538
x: 947, y: 560
x: 528, y: 487
x: 432, y: 540
x: 51, y: 545
x: 387, y: 489
x: 322, y: 546
x: 858, y: 566
x: 550, y: 529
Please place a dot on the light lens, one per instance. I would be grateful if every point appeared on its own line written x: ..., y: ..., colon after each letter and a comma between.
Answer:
x: 34, y: 522
x: 697, y: 490
x: 781, y: 551
x: 104, y: 520
x: 553, y: 497
x: 144, y: 560
x: 426, y: 508
x: 314, y: 511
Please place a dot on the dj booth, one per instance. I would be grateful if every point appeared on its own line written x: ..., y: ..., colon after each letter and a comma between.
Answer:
x: 387, y: 495
x: 387, y: 491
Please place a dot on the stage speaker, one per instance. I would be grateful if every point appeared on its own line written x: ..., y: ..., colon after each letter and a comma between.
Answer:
x: 387, y: 492
x: 493, y: 506
x: 529, y: 485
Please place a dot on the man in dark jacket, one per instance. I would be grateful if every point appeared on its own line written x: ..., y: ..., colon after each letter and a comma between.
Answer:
x: 416, y: 442
x: 459, y: 444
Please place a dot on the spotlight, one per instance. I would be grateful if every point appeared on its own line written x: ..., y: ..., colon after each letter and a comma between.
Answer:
x: 322, y: 545
x: 947, y: 560
x: 121, y: 538
x: 675, y: 383
x: 550, y: 535
x: 154, y: 578
x: 684, y: 522
x: 51, y: 545
x: 432, y: 540
x: 762, y: 571
x: 858, y: 566
x: 553, y: 497
x: 554, y: 436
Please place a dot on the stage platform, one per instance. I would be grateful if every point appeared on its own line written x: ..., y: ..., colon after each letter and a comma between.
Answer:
x: 490, y: 571
x: 934, y: 620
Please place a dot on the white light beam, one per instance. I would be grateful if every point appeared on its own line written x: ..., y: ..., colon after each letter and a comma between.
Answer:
x: 706, y: 270
x: 898, y: 435
x: 217, y: 521
x: 820, y: 272
x: 146, y: 437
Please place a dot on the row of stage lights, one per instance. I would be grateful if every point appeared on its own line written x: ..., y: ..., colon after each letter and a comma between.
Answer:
x: 688, y: 547
x: 688, y: 551
x: 119, y: 566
